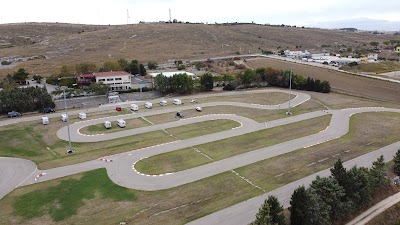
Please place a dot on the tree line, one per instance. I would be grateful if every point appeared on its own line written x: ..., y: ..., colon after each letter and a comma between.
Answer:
x: 329, y: 199
x: 24, y: 99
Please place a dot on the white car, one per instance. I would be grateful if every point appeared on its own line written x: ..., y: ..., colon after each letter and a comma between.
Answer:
x: 199, y: 109
x: 163, y: 103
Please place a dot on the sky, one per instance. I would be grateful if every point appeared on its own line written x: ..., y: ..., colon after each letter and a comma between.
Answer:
x: 290, y: 12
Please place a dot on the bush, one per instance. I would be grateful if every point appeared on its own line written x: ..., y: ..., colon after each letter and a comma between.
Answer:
x: 230, y: 87
x: 352, y: 64
x: 5, y: 62
x: 181, y: 67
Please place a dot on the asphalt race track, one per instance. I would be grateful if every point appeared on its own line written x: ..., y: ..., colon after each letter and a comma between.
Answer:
x: 19, y: 172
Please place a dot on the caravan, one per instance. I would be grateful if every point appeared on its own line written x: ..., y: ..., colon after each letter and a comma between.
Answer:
x: 177, y: 102
x: 64, y: 117
x: 163, y: 103
x: 45, y: 120
x: 107, y: 124
x: 134, y: 107
x: 82, y: 115
x: 148, y: 105
x: 121, y: 123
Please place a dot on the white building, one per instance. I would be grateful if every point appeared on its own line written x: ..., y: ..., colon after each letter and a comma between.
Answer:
x: 117, y: 80
x: 296, y: 54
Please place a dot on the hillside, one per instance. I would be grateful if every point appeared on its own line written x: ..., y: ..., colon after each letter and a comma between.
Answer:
x: 44, y: 47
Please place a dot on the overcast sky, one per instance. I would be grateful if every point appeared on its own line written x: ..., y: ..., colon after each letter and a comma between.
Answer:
x: 291, y: 12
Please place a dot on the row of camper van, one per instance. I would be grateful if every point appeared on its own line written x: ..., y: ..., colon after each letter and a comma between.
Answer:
x: 64, y: 118
x: 149, y: 105
x: 120, y: 122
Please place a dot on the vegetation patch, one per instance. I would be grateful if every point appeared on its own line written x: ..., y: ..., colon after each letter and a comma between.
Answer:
x: 65, y: 199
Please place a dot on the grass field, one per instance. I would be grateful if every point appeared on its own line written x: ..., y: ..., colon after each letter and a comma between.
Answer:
x: 340, y: 82
x: 188, y: 202
x: 188, y: 158
x: 381, y: 67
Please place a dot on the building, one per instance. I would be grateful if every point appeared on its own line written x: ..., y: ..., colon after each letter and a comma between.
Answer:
x: 117, y: 80
x: 297, y: 54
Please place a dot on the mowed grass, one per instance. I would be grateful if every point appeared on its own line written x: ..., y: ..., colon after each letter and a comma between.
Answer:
x: 65, y: 199
x: 191, y: 201
x: 99, y: 128
x: 272, y: 98
x: 188, y: 157
x: 202, y: 128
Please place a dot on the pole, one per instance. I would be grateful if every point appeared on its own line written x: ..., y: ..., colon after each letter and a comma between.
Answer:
x: 66, y: 113
x: 290, y: 91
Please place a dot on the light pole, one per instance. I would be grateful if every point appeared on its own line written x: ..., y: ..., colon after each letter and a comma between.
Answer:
x: 70, y: 150
x: 290, y: 92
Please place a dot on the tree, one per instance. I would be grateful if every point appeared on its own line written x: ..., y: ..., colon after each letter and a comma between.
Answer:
x: 66, y: 71
x: 263, y: 216
x: 161, y: 84
x: 333, y: 195
x: 297, y: 206
x: 111, y: 66
x: 374, y: 43
x: 181, y: 66
x: 378, y: 173
x: 37, y: 78
x: 396, y: 167
x: 123, y: 63
x: 340, y: 173
x: 85, y: 68
x: 98, y: 89
x: 207, y: 82
x: 152, y: 65
x: 198, y: 65
x: 276, y: 211
x: 20, y: 76
x: 142, y: 69
x: 358, y: 188
x: 135, y: 68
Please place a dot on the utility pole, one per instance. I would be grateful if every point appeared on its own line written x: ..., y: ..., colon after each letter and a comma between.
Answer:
x: 70, y: 150
x: 290, y: 92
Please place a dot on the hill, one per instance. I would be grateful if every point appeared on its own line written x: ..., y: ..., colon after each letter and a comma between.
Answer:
x: 43, y: 47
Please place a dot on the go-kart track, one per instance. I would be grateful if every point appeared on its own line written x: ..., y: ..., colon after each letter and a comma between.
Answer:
x: 121, y: 168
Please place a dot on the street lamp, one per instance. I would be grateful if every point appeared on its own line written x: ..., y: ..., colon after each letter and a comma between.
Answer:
x: 290, y: 90
x: 70, y: 150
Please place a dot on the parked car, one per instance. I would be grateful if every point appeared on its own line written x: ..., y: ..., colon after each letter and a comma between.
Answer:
x: 134, y: 107
x: 199, y: 109
x: 118, y: 108
x: 14, y: 114
x: 148, y: 105
x: 177, y: 102
x: 48, y: 110
x: 163, y: 103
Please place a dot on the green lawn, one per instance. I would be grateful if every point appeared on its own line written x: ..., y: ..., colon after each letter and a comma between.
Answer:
x: 64, y: 200
x: 99, y: 128
x: 188, y: 157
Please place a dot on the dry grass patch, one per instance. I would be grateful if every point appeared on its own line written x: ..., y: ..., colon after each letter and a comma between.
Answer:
x: 189, y: 158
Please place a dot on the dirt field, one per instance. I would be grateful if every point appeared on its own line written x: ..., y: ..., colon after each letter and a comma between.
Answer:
x: 340, y: 82
x: 49, y: 45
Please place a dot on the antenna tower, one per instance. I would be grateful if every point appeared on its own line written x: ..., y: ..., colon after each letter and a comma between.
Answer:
x: 127, y: 16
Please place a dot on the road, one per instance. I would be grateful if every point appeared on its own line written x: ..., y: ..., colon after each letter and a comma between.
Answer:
x: 375, y: 210
x: 121, y: 170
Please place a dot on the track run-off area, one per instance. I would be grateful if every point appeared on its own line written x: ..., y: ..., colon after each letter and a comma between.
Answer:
x: 121, y: 169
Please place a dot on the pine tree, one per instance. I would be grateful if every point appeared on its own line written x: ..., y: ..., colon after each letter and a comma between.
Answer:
x: 396, y: 167
x: 340, y: 173
x: 297, y: 206
x: 276, y: 211
x: 263, y: 216
x: 378, y: 173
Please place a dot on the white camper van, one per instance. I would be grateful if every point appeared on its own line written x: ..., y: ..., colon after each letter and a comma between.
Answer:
x: 45, y: 120
x: 107, y: 124
x: 199, y: 109
x: 134, y: 107
x: 177, y: 102
x: 148, y: 105
x: 121, y: 123
x: 82, y: 115
x: 163, y: 103
x: 64, y: 117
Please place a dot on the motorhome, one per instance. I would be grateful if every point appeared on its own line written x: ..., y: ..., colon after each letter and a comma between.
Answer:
x: 107, y: 124
x: 64, y: 117
x: 177, y: 102
x: 82, y: 115
x: 148, y: 105
x: 134, y: 107
x: 121, y: 123
x: 199, y: 109
x: 45, y: 120
x: 163, y: 103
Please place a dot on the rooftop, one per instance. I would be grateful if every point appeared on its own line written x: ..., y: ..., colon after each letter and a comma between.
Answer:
x: 104, y: 74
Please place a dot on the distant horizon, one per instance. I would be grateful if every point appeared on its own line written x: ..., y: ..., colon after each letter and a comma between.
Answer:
x: 308, y: 13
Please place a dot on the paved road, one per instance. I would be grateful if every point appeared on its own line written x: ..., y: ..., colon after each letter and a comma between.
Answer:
x: 375, y: 210
x: 13, y: 172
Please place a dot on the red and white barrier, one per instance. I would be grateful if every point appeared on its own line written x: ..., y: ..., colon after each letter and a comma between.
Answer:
x: 106, y: 160
x: 39, y: 175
